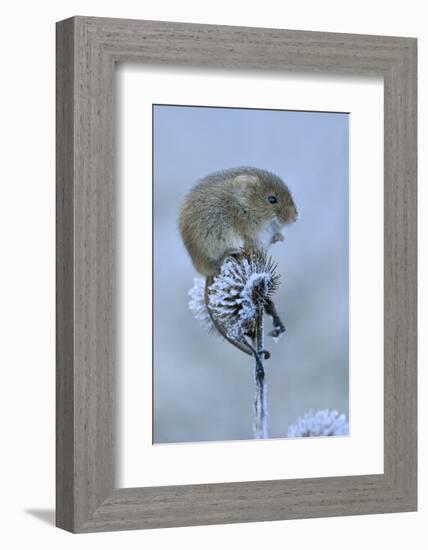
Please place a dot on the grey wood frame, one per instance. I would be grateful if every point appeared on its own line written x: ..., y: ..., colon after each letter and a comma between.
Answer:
x: 87, y: 50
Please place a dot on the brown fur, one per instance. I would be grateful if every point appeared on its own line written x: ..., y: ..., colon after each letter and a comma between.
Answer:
x: 226, y: 210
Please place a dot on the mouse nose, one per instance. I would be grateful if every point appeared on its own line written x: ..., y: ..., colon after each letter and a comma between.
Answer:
x: 293, y: 215
x: 290, y: 216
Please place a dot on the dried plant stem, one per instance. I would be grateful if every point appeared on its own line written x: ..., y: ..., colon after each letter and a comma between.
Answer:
x: 260, y: 399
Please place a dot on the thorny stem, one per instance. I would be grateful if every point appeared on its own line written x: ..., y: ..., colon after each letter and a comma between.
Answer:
x: 260, y: 399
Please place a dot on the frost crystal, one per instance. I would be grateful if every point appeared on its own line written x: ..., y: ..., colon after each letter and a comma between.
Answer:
x: 244, y: 284
x: 319, y: 423
x: 197, y: 304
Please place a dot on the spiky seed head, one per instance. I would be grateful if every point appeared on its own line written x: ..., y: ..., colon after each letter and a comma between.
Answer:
x: 318, y: 423
x: 245, y: 282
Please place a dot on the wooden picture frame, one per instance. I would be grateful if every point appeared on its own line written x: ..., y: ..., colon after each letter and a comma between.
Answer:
x: 87, y: 50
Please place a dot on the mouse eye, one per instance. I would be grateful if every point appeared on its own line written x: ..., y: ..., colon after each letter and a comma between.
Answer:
x: 272, y: 199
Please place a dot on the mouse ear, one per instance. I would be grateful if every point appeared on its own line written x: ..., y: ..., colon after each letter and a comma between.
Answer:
x: 241, y: 185
x: 242, y: 182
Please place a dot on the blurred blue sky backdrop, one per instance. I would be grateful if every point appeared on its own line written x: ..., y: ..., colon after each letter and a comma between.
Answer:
x: 203, y: 387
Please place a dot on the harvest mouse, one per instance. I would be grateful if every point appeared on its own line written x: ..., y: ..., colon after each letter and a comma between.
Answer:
x: 233, y: 209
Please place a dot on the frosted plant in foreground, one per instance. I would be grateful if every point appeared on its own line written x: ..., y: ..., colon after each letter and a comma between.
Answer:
x: 237, y: 299
x: 319, y: 423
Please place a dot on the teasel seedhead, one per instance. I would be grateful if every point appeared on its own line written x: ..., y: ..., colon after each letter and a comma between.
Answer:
x: 319, y: 423
x: 245, y: 282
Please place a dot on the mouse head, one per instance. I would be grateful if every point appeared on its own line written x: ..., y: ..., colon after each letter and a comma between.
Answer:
x: 265, y: 196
